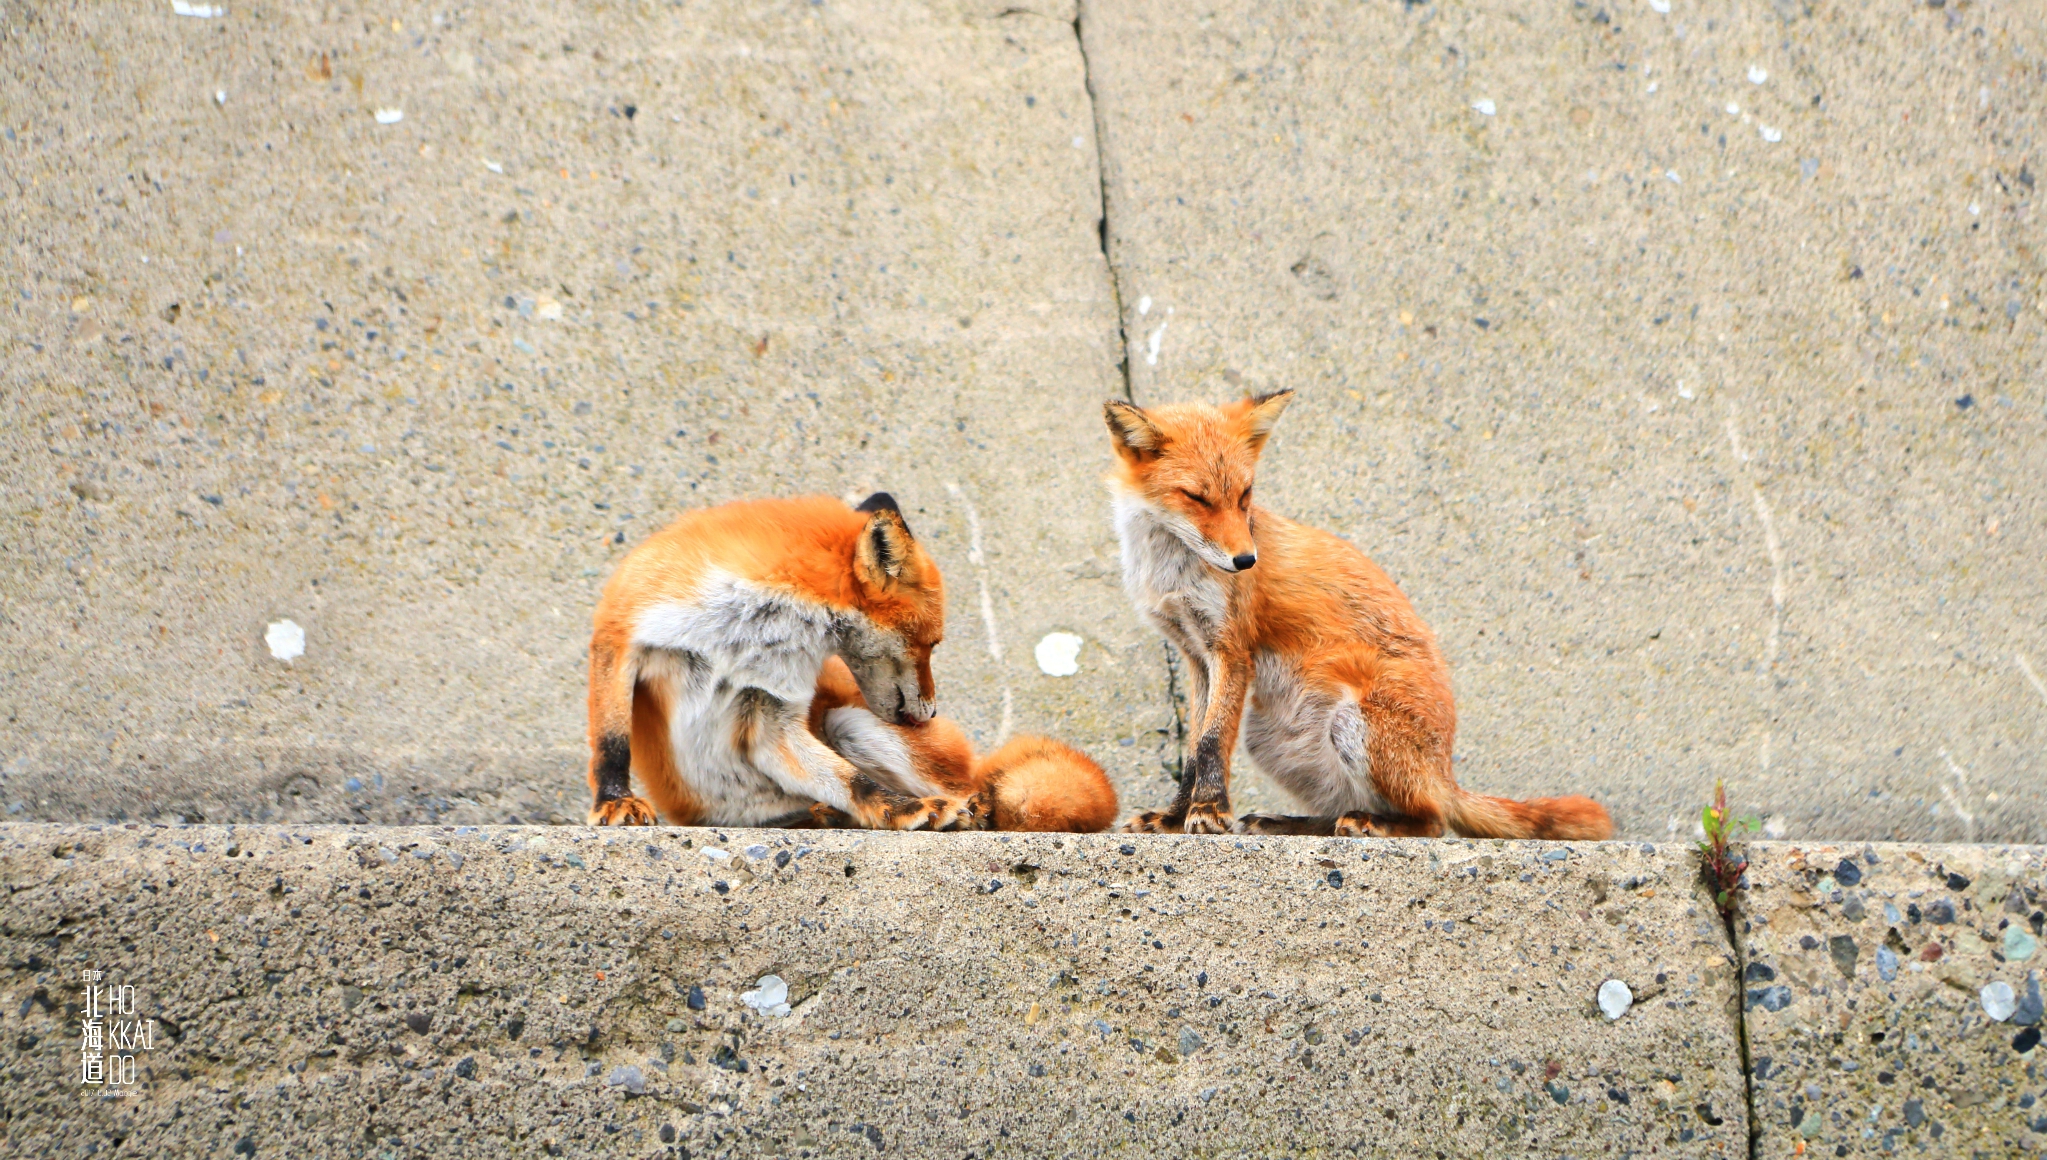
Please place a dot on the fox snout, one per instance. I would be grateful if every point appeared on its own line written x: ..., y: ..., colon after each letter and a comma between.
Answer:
x: 1244, y: 561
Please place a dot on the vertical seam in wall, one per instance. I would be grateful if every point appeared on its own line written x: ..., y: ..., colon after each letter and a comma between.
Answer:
x: 1176, y: 699
x: 1102, y: 183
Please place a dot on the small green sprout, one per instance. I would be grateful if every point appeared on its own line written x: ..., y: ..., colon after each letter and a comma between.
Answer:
x: 1724, y: 863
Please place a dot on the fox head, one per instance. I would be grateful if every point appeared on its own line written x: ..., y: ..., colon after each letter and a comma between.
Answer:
x: 1191, y: 464
x: 898, y: 588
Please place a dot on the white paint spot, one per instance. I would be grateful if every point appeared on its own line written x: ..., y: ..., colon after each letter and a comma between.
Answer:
x: 1144, y: 306
x: 1058, y: 654
x: 390, y: 116
x: 1671, y: 174
x: 1954, y: 799
x: 1080, y: 142
x: 1776, y: 548
x: 1757, y: 74
x: 493, y: 166
x: 286, y: 639
x: 1651, y: 88
x: 1769, y: 134
x: 1158, y: 334
x: 1660, y: 7
x: 770, y: 996
x: 202, y: 11
x: 1615, y: 999
x: 979, y: 560
x: 2026, y: 667
x: 1974, y: 209
x: 1485, y: 107
x: 1683, y: 392
x: 220, y: 96
x: 1733, y: 110
x: 1774, y: 827
x: 548, y: 309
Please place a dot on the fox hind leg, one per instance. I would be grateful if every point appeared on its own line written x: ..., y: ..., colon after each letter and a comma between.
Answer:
x: 611, y: 751
x: 778, y: 742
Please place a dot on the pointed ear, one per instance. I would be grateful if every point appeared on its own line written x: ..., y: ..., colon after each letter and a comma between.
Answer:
x: 1135, y: 436
x: 1265, y: 411
x: 883, y: 549
x: 882, y: 501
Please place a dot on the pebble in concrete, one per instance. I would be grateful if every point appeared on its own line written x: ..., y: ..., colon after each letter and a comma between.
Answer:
x: 1615, y: 998
x: 1899, y: 1026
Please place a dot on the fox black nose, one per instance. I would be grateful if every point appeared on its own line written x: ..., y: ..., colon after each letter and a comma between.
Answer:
x: 1244, y: 561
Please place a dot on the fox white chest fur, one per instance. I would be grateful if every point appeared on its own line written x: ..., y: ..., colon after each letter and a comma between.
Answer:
x: 1167, y: 579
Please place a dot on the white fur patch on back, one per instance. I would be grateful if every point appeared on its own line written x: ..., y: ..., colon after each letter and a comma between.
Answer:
x: 753, y: 635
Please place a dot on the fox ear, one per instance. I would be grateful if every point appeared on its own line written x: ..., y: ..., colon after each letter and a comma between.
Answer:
x: 1136, y: 437
x: 1265, y: 411
x: 884, y: 546
x: 882, y: 501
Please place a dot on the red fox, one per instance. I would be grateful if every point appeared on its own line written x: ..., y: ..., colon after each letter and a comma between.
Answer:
x: 1032, y: 783
x: 707, y: 647
x: 1350, y: 699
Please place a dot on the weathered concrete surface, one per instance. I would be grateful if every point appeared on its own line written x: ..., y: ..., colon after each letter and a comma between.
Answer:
x: 1693, y: 393
x: 444, y: 990
x: 1869, y: 1033
x: 416, y: 385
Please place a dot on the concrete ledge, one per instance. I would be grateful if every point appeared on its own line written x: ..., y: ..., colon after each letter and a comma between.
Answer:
x: 1868, y: 1024
x: 445, y: 990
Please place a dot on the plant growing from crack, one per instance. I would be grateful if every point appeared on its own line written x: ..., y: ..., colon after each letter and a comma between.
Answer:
x: 1725, y: 863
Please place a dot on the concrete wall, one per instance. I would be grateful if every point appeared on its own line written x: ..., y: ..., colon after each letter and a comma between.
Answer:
x: 1707, y: 454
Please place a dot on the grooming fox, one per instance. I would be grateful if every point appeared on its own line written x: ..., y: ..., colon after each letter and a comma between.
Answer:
x: 1350, y: 707
x: 1032, y: 783
x: 707, y: 648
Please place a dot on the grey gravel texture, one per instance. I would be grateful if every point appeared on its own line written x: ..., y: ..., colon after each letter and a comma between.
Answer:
x: 445, y: 991
x: 1863, y: 977
x: 1706, y: 454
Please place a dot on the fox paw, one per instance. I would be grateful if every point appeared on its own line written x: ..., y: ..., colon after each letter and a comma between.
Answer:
x: 625, y: 811
x: 943, y: 814
x: 1153, y: 822
x: 1207, y: 818
x: 824, y: 817
x: 1355, y: 824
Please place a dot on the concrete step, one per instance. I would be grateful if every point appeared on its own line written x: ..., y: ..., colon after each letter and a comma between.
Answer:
x: 566, y: 991
x: 1703, y: 458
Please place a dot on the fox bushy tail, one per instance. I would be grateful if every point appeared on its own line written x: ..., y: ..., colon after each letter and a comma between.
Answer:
x: 1571, y: 818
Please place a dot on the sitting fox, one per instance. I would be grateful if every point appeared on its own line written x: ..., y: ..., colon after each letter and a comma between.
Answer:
x: 707, y: 648
x: 1350, y: 705
x: 1032, y: 783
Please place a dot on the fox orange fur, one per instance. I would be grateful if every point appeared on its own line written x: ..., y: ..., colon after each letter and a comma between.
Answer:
x: 706, y: 651
x: 1350, y: 706
x: 1032, y: 783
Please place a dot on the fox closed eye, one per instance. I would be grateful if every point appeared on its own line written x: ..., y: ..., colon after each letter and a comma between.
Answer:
x: 1202, y: 500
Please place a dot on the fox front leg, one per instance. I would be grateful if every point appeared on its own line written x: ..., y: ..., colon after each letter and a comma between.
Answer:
x: 1208, y: 775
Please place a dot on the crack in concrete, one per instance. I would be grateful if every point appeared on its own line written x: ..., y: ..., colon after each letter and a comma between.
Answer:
x: 1102, y: 183
x: 1175, y: 765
